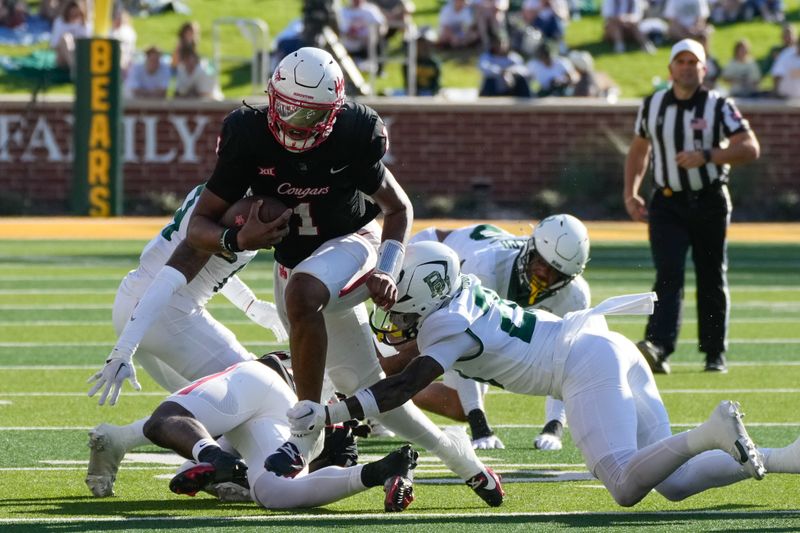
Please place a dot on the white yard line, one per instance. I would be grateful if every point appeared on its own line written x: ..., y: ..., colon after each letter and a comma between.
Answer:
x: 383, y: 518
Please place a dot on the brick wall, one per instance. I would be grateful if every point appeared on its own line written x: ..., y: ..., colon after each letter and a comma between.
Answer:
x: 499, y: 155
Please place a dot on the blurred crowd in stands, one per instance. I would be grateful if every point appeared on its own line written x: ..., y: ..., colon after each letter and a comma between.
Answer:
x: 148, y: 73
x: 519, y: 46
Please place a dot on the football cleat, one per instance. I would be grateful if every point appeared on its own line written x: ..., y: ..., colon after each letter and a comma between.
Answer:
x: 487, y: 485
x: 398, y: 486
x: 286, y: 461
x: 225, y: 469
x: 399, y: 494
x: 732, y: 437
x: 107, y: 451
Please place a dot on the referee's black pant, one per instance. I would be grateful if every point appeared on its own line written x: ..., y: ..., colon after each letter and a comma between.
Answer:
x: 698, y: 220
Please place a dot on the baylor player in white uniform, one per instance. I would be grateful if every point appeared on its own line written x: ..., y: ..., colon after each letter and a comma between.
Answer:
x: 507, y: 264
x: 163, y: 320
x: 616, y: 415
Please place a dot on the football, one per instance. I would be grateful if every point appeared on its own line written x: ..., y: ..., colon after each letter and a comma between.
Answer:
x: 237, y: 214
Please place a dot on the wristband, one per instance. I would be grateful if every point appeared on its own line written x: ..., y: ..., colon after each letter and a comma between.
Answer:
x: 228, y: 240
x: 707, y: 155
x: 390, y: 258
x: 368, y: 403
x: 338, y: 413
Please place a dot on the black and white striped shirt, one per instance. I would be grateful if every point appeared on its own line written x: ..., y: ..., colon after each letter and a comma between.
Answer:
x: 704, y: 121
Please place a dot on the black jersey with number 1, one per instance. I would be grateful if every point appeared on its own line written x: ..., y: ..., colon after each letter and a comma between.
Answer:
x: 325, y: 186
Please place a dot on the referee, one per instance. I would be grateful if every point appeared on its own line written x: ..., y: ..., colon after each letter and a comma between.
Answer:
x: 692, y: 136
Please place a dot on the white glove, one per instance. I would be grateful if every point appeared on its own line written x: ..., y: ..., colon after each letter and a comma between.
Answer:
x: 111, y: 377
x: 547, y: 442
x: 305, y: 418
x: 492, y: 442
x: 265, y: 314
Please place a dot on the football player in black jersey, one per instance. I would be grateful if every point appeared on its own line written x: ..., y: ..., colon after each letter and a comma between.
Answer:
x: 321, y: 156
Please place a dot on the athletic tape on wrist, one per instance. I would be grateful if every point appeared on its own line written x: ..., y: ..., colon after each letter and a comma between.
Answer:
x: 368, y: 403
x: 338, y: 413
x: 390, y: 258
x: 228, y: 240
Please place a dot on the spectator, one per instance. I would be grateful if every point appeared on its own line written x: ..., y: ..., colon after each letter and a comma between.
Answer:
x: 789, y: 40
x: 149, y: 79
x: 503, y: 71
x: 686, y: 18
x: 549, y: 17
x: 362, y: 29
x: 786, y: 73
x: 742, y: 73
x: 188, y: 34
x: 122, y: 30
x: 713, y: 68
x: 770, y: 10
x: 13, y: 13
x: 287, y: 41
x: 51, y: 9
x: 491, y: 16
x: 429, y: 68
x: 553, y: 75
x: 70, y: 25
x: 194, y: 78
x: 587, y: 84
x: 726, y: 11
x: 621, y: 20
x: 397, y: 14
x: 457, y: 25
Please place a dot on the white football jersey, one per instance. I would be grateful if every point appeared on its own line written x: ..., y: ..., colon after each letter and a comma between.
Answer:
x: 514, y: 348
x: 208, y: 281
x: 490, y: 253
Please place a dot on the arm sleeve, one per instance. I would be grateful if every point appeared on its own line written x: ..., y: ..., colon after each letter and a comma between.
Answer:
x: 149, y: 309
x: 238, y: 293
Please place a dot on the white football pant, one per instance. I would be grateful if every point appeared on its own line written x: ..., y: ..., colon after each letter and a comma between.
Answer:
x: 247, y: 404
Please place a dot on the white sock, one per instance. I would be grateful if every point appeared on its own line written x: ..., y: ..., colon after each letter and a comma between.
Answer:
x: 710, y: 469
x: 783, y: 460
x: 470, y: 393
x: 324, y: 486
x: 411, y: 424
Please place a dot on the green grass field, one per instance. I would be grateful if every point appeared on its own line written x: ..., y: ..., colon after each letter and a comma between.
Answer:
x: 55, y: 331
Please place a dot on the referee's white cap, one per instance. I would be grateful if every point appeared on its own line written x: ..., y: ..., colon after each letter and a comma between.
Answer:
x: 691, y: 46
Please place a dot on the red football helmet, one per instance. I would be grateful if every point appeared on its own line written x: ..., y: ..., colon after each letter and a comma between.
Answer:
x: 306, y: 93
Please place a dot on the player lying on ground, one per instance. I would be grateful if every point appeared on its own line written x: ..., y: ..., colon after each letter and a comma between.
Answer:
x: 617, y: 418
x: 164, y: 322
x: 541, y: 271
x: 247, y: 404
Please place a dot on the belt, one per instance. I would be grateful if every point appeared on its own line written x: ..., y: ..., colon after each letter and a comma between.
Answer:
x: 667, y: 192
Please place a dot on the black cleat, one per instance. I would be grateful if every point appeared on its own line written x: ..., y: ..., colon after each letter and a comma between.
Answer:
x: 654, y: 357
x: 716, y: 363
x: 487, y: 485
x: 225, y: 469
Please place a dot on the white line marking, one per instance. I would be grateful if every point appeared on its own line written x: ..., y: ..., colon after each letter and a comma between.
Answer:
x: 110, y: 342
x: 5, y: 402
x: 407, y: 516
